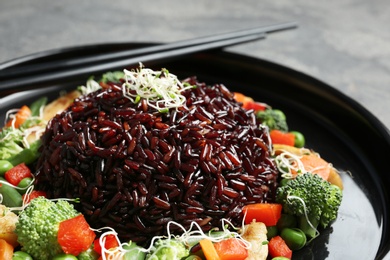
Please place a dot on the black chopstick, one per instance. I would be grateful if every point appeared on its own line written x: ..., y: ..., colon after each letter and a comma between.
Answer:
x: 21, y: 79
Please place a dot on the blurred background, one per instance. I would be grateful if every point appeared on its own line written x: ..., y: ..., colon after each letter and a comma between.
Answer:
x: 345, y: 43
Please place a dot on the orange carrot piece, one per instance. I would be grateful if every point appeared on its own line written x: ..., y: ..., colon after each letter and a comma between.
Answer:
x: 209, y: 250
x: 316, y: 165
x: 268, y: 213
x: 17, y: 173
x: 278, y: 247
x: 19, y: 118
x: 231, y: 249
x: 279, y: 137
x: 74, y: 235
x: 6, y: 250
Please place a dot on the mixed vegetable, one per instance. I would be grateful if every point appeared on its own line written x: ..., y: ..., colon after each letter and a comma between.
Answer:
x: 34, y: 227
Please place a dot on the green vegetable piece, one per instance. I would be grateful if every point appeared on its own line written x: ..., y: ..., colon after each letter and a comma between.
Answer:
x: 36, y: 106
x: 5, y: 166
x: 273, y: 118
x: 64, y: 257
x: 310, y: 194
x: 280, y: 258
x: 89, y: 254
x: 11, y: 197
x: 28, y: 155
x: 286, y: 221
x: 38, y: 224
x: 134, y: 252
x: 24, y: 184
x: 294, y: 238
x: 272, y: 231
x: 20, y: 255
x: 168, y: 249
x: 112, y: 76
x: 299, y: 139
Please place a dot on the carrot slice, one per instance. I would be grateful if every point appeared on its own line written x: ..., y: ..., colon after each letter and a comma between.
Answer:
x: 231, y: 249
x: 279, y: 137
x: 110, y: 242
x: 268, y: 213
x: 209, y: 250
x: 28, y: 197
x: 17, y: 173
x: 74, y: 235
x: 316, y: 165
x: 278, y: 247
x: 6, y: 250
x: 19, y: 118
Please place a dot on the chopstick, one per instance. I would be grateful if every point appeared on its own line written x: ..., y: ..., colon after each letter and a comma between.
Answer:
x: 23, y: 77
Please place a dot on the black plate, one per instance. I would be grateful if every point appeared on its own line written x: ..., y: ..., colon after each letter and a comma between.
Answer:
x: 337, y: 127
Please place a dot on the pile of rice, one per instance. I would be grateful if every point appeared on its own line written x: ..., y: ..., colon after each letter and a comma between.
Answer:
x: 135, y: 168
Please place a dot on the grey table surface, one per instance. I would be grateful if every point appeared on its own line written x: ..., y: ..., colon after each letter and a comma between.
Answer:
x: 345, y: 43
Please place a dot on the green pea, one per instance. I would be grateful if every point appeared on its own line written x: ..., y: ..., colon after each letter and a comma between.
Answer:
x: 20, y: 255
x: 299, y: 139
x: 11, y: 197
x: 294, y: 238
x: 287, y: 221
x: 64, y: 257
x: 24, y: 183
x: 271, y: 232
x: 5, y: 166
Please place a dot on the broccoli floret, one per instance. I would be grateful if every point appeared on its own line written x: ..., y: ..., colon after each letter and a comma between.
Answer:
x: 164, y: 249
x: 38, y: 224
x: 273, y: 118
x: 309, y: 193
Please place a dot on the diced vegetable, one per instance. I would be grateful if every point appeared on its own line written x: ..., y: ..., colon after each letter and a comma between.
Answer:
x: 248, y: 102
x: 75, y: 235
x: 6, y: 250
x: 231, y: 249
x: 19, y: 118
x: 268, y: 213
x: 27, y: 155
x: 316, y: 165
x: 27, y: 198
x: 278, y: 247
x: 279, y: 137
x: 110, y: 242
x: 209, y: 250
x: 17, y: 173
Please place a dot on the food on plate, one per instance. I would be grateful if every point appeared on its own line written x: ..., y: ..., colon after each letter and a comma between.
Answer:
x: 142, y: 165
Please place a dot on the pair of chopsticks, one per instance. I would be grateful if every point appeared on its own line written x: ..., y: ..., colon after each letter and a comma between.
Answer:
x: 23, y: 77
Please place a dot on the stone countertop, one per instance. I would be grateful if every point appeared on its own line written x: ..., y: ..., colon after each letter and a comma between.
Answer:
x: 345, y: 43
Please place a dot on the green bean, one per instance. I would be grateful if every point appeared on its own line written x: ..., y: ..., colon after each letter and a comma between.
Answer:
x: 20, y: 255
x: 294, y: 238
x: 64, y: 257
x: 11, y: 197
x: 35, y: 107
x: 280, y: 258
x: 299, y: 139
x: 24, y: 184
x: 28, y: 155
x: 5, y: 166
